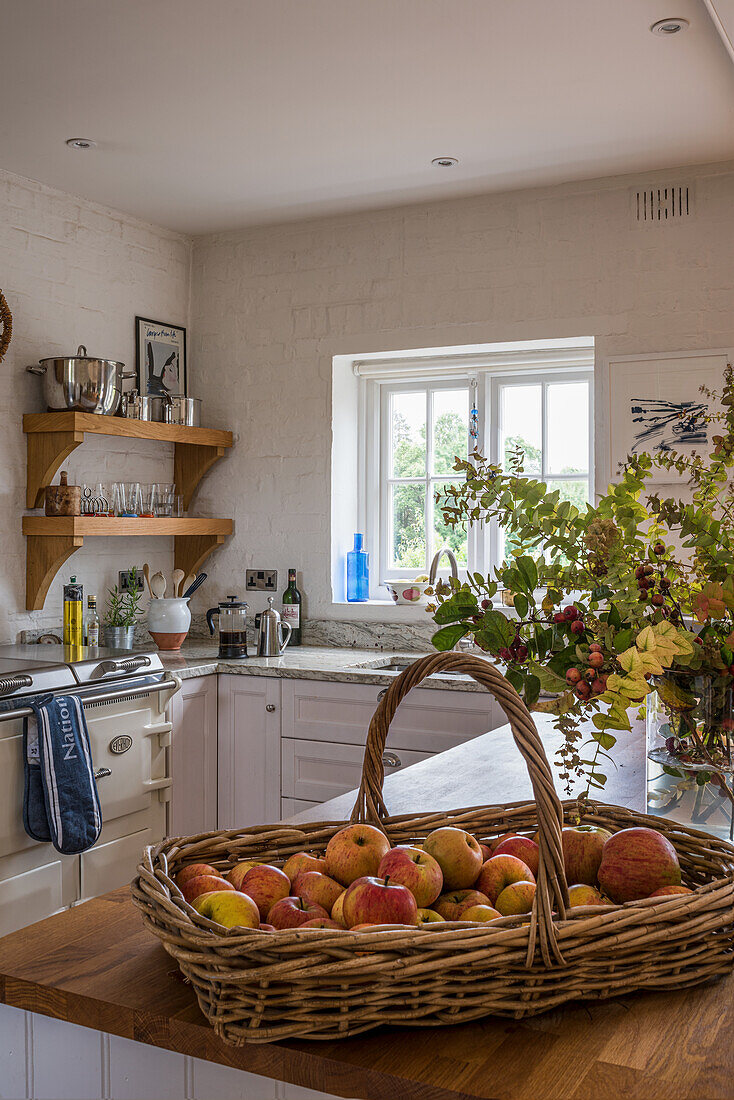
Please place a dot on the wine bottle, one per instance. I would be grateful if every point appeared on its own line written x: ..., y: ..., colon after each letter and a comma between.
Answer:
x: 291, y: 611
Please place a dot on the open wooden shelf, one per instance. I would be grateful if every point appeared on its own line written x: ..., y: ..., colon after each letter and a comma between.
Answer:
x: 53, y: 436
x: 53, y: 539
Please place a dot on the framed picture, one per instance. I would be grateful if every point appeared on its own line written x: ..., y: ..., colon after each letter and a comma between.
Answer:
x: 160, y: 357
x: 656, y: 404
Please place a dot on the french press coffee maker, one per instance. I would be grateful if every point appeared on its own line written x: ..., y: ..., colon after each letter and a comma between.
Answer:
x: 232, y: 614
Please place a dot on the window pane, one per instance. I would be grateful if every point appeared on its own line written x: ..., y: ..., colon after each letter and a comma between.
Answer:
x: 408, y: 434
x: 575, y: 491
x: 408, y: 535
x: 444, y: 535
x: 450, y: 428
x: 522, y: 425
x: 568, y: 428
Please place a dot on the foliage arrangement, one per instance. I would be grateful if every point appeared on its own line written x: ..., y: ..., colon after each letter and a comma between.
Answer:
x: 123, y: 608
x: 614, y: 600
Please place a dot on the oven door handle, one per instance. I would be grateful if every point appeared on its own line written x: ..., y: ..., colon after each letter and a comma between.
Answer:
x: 157, y: 784
x: 170, y: 683
x: 125, y: 664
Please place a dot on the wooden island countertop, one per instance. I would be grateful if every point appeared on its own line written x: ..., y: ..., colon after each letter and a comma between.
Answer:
x: 95, y: 965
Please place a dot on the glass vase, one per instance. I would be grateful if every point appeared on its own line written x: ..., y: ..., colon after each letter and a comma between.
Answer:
x: 690, y: 776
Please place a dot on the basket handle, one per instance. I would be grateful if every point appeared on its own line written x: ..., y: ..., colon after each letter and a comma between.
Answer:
x: 552, y: 890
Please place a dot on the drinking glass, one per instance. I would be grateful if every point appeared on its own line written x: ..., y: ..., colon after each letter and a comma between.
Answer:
x: 164, y: 499
x: 130, y: 499
x: 148, y: 497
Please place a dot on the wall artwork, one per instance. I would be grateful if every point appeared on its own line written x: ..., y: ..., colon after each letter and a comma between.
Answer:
x: 656, y: 404
x: 160, y: 356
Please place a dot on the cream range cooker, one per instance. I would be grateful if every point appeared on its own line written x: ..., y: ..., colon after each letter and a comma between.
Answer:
x: 125, y: 697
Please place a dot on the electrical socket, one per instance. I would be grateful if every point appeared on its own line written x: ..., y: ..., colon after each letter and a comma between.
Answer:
x: 125, y: 581
x: 261, y: 580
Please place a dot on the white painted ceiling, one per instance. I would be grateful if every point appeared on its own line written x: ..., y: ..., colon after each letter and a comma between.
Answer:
x: 212, y: 114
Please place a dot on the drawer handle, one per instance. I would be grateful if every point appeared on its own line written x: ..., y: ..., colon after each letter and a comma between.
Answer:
x: 102, y: 773
x: 270, y: 707
x: 391, y: 760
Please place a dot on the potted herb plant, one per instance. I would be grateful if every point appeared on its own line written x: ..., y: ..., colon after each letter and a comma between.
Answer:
x: 617, y: 604
x: 123, y: 611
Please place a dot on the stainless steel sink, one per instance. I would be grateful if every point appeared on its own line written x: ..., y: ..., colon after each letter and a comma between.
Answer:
x: 399, y: 664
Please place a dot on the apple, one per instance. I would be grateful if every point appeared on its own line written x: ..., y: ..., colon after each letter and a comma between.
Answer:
x: 372, y: 900
x: 499, y: 872
x: 516, y: 898
x: 486, y: 851
x: 416, y: 870
x: 236, y: 874
x: 267, y: 927
x: 496, y: 841
x: 583, y: 894
x: 355, y: 852
x: 193, y: 870
x: 452, y: 905
x: 337, y: 910
x: 429, y: 916
x: 636, y: 862
x: 312, y: 886
x: 480, y: 913
x: 198, y: 902
x: 522, y: 847
x: 668, y: 891
x: 202, y: 884
x: 292, y: 912
x: 458, y: 855
x: 378, y: 927
x: 322, y: 922
x: 582, y: 849
x: 230, y: 908
x: 265, y: 885
x: 303, y: 861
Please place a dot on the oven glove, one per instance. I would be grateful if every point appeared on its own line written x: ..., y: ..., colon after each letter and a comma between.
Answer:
x: 60, y: 800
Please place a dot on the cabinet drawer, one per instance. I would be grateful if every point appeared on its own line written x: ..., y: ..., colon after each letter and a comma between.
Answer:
x: 317, y: 771
x: 31, y: 896
x: 429, y: 720
x: 107, y: 866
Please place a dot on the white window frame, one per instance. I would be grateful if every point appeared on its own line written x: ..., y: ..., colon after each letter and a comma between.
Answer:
x: 382, y: 376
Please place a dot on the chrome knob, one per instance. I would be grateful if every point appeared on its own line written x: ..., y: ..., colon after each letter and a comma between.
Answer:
x: 391, y: 760
x: 102, y: 773
x: 14, y: 683
x: 270, y: 707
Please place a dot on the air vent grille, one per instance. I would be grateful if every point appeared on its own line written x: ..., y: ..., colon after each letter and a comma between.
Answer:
x: 656, y: 205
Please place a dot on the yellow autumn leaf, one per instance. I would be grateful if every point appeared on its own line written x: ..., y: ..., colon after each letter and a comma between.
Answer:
x: 639, y: 664
x: 629, y: 687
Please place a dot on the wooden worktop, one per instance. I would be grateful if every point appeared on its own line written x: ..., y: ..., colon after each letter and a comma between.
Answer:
x: 95, y: 965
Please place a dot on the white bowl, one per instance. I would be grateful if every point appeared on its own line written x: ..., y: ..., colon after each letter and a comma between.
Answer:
x: 407, y: 593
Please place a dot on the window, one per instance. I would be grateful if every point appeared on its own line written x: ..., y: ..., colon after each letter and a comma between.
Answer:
x: 415, y: 419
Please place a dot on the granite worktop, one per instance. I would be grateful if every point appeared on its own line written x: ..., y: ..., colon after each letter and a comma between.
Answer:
x: 306, y: 662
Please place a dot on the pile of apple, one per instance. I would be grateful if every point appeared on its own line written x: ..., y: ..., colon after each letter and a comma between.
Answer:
x: 360, y: 882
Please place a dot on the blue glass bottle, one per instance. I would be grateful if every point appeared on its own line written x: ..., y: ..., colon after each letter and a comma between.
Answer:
x: 358, y: 572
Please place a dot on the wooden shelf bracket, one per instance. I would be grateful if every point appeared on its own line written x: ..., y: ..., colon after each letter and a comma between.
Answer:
x: 190, y: 462
x: 191, y: 551
x: 46, y: 452
x: 45, y: 556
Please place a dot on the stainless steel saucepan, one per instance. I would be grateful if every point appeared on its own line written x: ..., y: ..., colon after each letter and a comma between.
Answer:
x: 81, y: 383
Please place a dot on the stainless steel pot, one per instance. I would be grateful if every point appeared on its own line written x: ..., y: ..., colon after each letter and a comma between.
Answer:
x: 185, y: 410
x: 150, y: 408
x: 81, y: 383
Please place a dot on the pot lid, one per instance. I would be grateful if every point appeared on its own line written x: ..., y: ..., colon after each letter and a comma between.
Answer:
x: 81, y: 353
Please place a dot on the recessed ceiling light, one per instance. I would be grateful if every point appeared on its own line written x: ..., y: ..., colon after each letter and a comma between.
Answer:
x: 666, y: 27
x: 444, y: 162
x: 81, y: 143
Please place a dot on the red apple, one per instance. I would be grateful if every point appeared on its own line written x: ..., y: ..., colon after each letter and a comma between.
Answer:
x: 203, y: 884
x: 193, y: 871
x: 494, y: 843
x: 480, y: 913
x: 458, y: 855
x: 636, y: 862
x: 583, y: 894
x: 229, y: 908
x: 314, y: 887
x: 371, y: 900
x: 582, y: 848
x: 522, y: 847
x: 668, y: 891
x: 265, y: 885
x: 236, y: 874
x: 429, y: 916
x: 498, y: 872
x: 486, y: 851
x: 516, y: 898
x: 416, y: 870
x: 337, y: 910
x: 293, y: 912
x: 355, y: 852
x: 451, y: 906
x: 266, y: 927
x: 322, y: 922
x: 303, y: 861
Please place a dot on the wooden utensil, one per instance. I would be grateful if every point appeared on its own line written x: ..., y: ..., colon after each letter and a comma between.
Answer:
x: 158, y: 585
x: 188, y: 582
x: 177, y: 576
x: 146, y: 574
x: 63, y: 499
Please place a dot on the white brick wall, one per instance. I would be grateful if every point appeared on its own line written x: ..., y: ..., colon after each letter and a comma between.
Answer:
x: 74, y: 273
x: 272, y: 305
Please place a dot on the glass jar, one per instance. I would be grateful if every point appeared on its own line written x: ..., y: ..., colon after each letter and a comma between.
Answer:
x: 690, y: 774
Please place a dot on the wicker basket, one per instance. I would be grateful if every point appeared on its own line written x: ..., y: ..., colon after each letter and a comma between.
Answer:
x: 260, y: 986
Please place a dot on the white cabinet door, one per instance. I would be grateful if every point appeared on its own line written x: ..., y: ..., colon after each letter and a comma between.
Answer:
x: 249, y: 750
x: 194, y: 757
x: 317, y: 770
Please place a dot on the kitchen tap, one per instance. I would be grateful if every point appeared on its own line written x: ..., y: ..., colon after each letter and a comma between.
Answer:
x: 436, y: 559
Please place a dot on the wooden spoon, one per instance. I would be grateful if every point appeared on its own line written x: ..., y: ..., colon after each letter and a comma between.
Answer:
x: 146, y: 574
x: 158, y: 585
x: 177, y: 576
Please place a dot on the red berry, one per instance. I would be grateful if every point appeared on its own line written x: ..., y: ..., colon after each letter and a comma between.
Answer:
x: 583, y: 690
x: 578, y: 627
x: 658, y: 549
x: 570, y: 613
x: 657, y: 599
x: 521, y: 652
x: 598, y: 687
x: 640, y: 571
x: 559, y: 617
x: 573, y: 676
x: 648, y: 569
x: 731, y: 670
x: 698, y: 641
x: 590, y: 674
x: 485, y: 604
x: 595, y: 647
x: 505, y: 654
x: 596, y: 660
